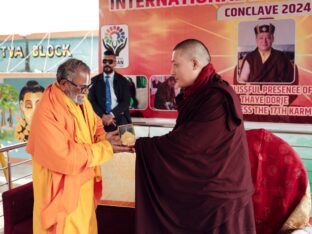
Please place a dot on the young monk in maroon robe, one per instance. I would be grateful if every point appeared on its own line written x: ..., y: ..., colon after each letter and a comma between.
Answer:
x: 196, y: 179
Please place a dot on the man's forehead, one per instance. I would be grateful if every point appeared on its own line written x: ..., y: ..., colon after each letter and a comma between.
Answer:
x: 264, y: 34
x: 82, y: 77
x: 176, y: 54
x: 87, y: 78
x: 109, y: 56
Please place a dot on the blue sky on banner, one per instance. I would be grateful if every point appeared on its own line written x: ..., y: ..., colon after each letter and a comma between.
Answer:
x: 38, y: 16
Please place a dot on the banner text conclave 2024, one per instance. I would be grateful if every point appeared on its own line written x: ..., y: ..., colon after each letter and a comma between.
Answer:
x: 300, y: 7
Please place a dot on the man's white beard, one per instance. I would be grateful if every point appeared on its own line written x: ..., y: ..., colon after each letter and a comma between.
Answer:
x: 78, y: 99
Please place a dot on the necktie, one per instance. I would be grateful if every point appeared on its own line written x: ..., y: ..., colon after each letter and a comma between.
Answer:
x: 108, y: 95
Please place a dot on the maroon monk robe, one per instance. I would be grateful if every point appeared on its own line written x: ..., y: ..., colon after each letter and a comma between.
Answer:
x: 196, y: 179
x: 277, y: 68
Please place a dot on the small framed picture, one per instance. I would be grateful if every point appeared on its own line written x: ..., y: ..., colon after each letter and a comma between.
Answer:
x: 127, y: 134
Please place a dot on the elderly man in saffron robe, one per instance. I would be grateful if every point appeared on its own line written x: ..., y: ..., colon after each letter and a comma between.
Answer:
x: 266, y: 64
x: 196, y: 179
x: 68, y: 144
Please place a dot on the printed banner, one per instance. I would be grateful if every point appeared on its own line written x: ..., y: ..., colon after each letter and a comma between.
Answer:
x: 115, y: 38
x: 275, y: 86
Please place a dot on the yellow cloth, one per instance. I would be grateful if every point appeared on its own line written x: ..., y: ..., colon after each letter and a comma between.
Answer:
x: 4, y: 164
x: 68, y: 144
x: 299, y: 218
x: 264, y: 56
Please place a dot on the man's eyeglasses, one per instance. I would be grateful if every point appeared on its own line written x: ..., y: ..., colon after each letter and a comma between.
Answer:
x: 108, y: 61
x: 82, y: 88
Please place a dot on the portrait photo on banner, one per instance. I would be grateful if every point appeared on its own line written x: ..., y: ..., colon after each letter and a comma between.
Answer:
x: 138, y: 92
x: 266, y: 52
x: 163, y: 91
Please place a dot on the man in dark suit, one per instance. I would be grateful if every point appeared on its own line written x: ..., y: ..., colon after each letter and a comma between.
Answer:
x: 110, y: 95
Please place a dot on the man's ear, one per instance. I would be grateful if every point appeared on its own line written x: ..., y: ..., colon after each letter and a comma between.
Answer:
x: 62, y: 84
x: 196, y: 63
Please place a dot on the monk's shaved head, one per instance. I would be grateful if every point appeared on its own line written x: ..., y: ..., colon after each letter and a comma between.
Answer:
x: 194, y: 49
x: 189, y: 57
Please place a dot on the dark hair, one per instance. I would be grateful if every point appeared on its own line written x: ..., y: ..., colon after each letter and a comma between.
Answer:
x: 31, y: 86
x: 69, y: 68
x: 109, y: 52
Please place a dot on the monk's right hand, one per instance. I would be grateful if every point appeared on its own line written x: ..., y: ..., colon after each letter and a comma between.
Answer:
x: 114, y: 139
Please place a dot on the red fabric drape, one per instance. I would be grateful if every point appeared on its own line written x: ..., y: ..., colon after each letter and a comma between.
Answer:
x: 279, y: 177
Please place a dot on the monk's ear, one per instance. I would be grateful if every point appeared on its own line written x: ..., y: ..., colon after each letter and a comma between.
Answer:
x: 196, y: 63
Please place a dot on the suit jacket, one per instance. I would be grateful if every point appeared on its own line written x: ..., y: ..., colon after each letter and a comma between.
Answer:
x: 97, y: 97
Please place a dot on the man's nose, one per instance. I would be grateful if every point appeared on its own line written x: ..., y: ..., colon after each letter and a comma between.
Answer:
x: 172, y: 71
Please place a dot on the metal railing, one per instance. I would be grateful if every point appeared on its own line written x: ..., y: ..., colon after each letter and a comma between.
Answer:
x: 7, y: 170
x: 10, y: 165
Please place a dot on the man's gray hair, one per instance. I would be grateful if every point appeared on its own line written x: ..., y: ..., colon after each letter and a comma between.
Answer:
x: 194, y: 48
x: 68, y: 69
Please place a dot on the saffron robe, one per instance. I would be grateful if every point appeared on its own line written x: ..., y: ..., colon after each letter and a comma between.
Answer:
x: 67, y: 143
x: 196, y: 179
x: 277, y: 68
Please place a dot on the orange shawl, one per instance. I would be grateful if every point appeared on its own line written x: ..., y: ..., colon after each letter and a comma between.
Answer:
x: 54, y: 144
